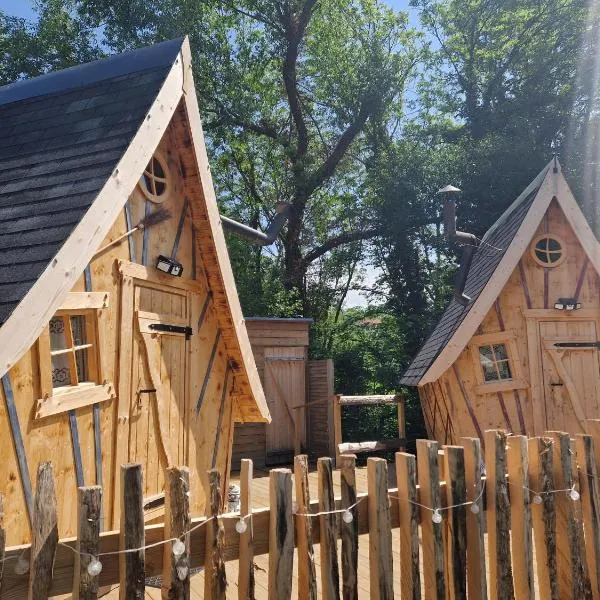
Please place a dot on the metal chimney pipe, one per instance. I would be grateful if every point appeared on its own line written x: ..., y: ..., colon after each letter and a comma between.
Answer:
x: 258, y: 237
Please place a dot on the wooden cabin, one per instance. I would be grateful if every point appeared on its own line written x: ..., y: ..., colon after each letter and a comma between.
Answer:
x: 122, y: 338
x: 299, y: 393
x: 522, y: 354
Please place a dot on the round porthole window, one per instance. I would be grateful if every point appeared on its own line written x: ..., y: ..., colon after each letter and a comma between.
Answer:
x: 548, y: 250
x: 155, y: 180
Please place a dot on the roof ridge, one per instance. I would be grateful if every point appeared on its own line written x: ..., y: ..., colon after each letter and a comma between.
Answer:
x: 141, y: 59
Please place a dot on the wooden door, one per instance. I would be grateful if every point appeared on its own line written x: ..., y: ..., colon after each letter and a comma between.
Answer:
x: 285, y: 380
x: 159, y: 381
x: 571, y: 372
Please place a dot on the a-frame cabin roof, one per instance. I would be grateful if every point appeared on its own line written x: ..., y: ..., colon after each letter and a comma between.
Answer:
x: 493, y: 262
x: 73, y: 145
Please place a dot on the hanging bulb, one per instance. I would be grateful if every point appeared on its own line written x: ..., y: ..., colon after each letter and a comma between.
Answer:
x: 178, y: 548
x: 475, y: 508
x: 574, y: 495
x: 94, y: 567
x: 22, y: 565
x: 182, y: 572
x: 436, y: 517
x: 347, y: 516
x: 241, y: 526
x: 537, y: 499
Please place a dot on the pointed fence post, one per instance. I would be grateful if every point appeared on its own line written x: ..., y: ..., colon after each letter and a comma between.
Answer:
x: 215, y: 579
x: 307, y: 577
x: 89, y: 507
x: 176, y: 567
x: 330, y: 576
x: 44, y: 534
x: 281, y: 535
x: 132, y: 564
x: 347, y: 463
x: 246, y: 563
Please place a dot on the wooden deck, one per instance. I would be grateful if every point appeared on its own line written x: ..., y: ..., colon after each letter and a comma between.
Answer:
x: 260, y: 498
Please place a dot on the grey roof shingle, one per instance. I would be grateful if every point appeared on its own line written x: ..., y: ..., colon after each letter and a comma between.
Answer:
x: 61, y: 136
x: 487, y: 257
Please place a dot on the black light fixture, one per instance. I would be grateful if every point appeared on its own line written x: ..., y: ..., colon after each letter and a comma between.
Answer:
x: 169, y: 265
x: 567, y: 304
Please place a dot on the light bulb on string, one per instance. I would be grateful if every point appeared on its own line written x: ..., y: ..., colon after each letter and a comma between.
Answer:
x: 436, y: 517
x: 22, y: 565
x: 94, y: 567
x: 475, y: 508
x: 574, y: 494
x: 182, y: 572
x: 241, y: 526
x: 537, y: 499
x: 178, y: 548
x: 347, y: 516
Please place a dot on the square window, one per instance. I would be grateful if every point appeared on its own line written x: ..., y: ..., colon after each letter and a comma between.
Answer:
x: 495, y: 363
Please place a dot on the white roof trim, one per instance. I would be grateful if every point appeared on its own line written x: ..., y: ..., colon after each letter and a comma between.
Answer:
x: 554, y: 185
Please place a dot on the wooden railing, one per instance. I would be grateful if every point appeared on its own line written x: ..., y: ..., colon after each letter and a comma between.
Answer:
x: 540, y: 498
x: 365, y: 447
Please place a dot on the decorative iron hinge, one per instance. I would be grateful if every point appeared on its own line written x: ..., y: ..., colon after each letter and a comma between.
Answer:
x: 578, y: 345
x: 187, y: 331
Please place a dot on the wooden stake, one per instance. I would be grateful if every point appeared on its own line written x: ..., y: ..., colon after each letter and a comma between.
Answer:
x: 543, y: 516
x: 176, y: 569
x: 89, y: 505
x: 433, y: 547
x: 498, y: 516
x: 132, y: 535
x: 590, y: 501
x: 522, y: 542
x: 573, y: 578
x: 380, y: 531
x: 2, y: 538
x: 246, y: 562
x: 337, y: 426
x: 408, y: 518
x: 457, y: 528
x: 281, y: 535
x: 44, y: 535
x: 347, y: 464
x: 215, y: 579
x: 330, y: 576
x: 307, y: 577
x: 477, y: 579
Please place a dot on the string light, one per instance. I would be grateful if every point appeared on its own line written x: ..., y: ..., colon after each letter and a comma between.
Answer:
x: 436, y: 517
x: 94, y: 567
x: 475, y: 508
x: 241, y: 526
x: 178, y: 548
x: 537, y: 499
x: 343, y: 511
x: 347, y: 517
x: 22, y: 565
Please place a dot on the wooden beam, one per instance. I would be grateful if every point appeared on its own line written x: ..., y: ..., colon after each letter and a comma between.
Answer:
x: 208, y: 372
x: 77, y: 301
x: 281, y: 535
x: 84, y: 395
x: 215, y: 579
x: 381, y: 445
x: 349, y: 531
x: 374, y: 400
x: 330, y: 577
x: 89, y: 505
x: 246, y: 583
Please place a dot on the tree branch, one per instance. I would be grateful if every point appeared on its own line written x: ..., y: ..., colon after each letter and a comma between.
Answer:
x: 340, y: 240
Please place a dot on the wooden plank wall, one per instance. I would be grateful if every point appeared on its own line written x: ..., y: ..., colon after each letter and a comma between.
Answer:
x: 50, y: 438
x: 320, y: 412
x: 451, y: 406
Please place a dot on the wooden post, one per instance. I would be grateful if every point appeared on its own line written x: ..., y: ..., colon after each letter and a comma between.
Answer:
x: 337, y: 426
x: 522, y: 542
x: 349, y: 530
x: 477, y: 579
x: 330, y: 576
x: 433, y: 546
x: 573, y: 579
x: 89, y: 506
x: 44, y: 534
x: 281, y: 535
x: 543, y: 516
x: 307, y: 577
x: 2, y: 538
x: 215, y: 579
x: 246, y: 562
x: 590, y: 501
x: 498, y: 516
x: 380, y: 531
x: 176, y: 569
x: 401, y: 419
x: 457, y: 527
x: 132, y: 564
x: 408, y: 518
x: 299, y: 420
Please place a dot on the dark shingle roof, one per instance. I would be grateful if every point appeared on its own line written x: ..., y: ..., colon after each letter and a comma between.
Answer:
x: 487, y: 257
x: 61, y: 135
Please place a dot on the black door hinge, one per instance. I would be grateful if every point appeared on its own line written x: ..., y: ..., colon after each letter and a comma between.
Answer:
x: 187, y: 331
x: 578, y: 345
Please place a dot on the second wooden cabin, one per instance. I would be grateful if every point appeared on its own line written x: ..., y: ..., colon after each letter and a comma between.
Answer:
x: 518, y: 348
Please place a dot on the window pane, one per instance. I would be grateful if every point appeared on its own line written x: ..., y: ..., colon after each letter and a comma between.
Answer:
x: 554, y: 256
x: 553, y: 244
x: 81, y: 360
x: 60, y: 371
x: 58, y: 340
x: 500, y: 352
x: 504, y: 370
x: 485, y: 353
x: 78, y: 329
x: 489, y: 371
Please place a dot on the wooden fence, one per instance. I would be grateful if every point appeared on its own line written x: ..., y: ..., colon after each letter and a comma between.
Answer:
x: 540, y: 499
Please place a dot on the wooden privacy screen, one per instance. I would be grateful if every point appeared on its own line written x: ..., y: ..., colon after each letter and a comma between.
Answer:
x: 537, y: 505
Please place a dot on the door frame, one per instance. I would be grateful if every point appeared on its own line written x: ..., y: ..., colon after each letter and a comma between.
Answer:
x: 130, y: 274
x: 533, y: 317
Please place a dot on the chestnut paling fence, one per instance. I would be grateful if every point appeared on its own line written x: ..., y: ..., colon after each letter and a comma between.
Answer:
x: 529, y: 527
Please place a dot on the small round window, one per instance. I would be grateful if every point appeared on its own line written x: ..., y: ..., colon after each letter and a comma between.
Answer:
x: 548, y: 250
x: 155, y: 180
